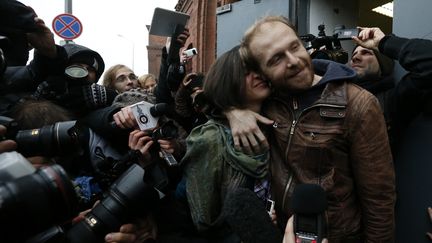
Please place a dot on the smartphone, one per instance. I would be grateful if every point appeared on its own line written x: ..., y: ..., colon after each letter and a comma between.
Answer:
x: 190, y: 52
x: 270, y: 206
x: 346, y: 34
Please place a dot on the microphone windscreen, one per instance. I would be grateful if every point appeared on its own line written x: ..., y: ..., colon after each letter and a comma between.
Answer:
x: 308, y: 199
x: 246, y: 214
x: 159, y: 109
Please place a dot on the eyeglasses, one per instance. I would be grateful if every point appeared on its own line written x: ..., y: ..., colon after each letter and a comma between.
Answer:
x: 122, y: 78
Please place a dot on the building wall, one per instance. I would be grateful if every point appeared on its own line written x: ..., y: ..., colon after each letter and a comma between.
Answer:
x: 231, y: 25
x: 202, y: 28
x: 154, y: 51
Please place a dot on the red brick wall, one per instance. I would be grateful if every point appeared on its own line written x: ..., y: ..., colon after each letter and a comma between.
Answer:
x: 202, y: 27
x: 154, y: 52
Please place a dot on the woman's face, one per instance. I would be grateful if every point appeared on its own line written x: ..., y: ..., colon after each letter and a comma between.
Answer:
x: 257, y: 90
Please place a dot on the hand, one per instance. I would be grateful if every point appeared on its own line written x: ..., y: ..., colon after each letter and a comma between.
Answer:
x: 369, y: 37
x: 127, y: 234
x: 6, y: 145
x: 182, y: 38
x: 43, y: 39
x: 289, y: 236
x: 139, y: 140
x: 168, y: 145
x: 245, y: 131
x: 133, y: 233
x: 125, y: 118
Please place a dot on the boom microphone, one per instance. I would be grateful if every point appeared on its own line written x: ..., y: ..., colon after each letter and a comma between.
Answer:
x: 247, y: 216
x: 309, y: 204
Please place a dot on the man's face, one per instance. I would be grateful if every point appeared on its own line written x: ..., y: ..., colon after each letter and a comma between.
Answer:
x: 365, y: 63
x: 125, y: 80
x: 282, y: 57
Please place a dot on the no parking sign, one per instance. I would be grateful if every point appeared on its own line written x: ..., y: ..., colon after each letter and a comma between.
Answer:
x: 67, y: 26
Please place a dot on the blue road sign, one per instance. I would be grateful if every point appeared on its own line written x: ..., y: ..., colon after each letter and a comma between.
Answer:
x: 67, y: 26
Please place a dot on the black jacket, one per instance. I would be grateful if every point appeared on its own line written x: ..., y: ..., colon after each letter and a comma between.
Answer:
x: 402, y: 101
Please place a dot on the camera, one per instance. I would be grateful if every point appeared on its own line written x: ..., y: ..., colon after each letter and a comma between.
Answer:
x: 129, y: 196
x: 32, y: 200
x: 190, y: 52
x: 329, y: 47
x: 61, y: 138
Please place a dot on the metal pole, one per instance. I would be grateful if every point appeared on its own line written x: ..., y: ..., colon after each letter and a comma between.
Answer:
x: 68, y: 6
x: 68, y: 9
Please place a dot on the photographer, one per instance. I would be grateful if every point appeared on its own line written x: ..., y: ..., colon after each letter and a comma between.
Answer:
x: 407, y: 106
x: 76, y: 88
x: 172, y: 70
x: 190, y: 102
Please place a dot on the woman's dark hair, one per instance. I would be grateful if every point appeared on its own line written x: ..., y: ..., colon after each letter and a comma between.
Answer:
x: 224, y: 84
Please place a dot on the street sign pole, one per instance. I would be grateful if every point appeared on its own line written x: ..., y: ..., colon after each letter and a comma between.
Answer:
x: 68, y: 9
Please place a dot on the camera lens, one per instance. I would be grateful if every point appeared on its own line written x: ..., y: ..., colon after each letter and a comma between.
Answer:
x: 35, y: 202
x: 128, y: 197
x: 58, y: 139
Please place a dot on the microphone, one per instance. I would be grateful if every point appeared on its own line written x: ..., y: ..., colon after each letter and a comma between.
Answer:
x: 247, y: 216
x: 160, y: 109
x: 309, y: 204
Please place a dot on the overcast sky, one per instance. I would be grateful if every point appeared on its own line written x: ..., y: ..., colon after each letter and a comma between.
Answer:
x: 103, y: 21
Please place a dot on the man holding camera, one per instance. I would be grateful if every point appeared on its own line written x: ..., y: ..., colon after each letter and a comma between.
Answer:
x: 326, y: 131
x: 407, y: 107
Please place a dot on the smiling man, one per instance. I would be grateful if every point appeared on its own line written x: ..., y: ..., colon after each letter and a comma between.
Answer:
x: 326, y: 131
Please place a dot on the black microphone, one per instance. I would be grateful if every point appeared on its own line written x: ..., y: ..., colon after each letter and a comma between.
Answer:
x: 309, y: 204
x: 247, y: 216
x: 160, y: 109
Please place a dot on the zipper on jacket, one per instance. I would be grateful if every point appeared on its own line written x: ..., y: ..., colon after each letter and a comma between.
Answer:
x: 296, y: 118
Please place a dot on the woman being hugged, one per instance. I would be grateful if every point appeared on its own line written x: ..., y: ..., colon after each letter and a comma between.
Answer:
x: 213, y: 167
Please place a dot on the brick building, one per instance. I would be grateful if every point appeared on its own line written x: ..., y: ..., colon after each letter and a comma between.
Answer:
x: 202, y: 27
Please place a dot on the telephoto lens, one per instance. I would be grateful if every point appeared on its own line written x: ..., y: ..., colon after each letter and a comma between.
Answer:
x: 35, y: 202
x: 62, y: 138
x: 127, y: 198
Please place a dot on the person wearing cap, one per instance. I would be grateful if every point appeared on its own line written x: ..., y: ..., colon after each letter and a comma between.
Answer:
x: 407, y: 106
x: 373, y: 60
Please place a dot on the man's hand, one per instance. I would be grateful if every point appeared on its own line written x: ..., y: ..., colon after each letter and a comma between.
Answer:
x: 140, y: 231
x: 247, y: 136
x: 369, y: 37
x: 43, y: 39
x: 125, y: 118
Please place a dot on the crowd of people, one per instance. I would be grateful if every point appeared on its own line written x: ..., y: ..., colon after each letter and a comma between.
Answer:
x: 264, y: 117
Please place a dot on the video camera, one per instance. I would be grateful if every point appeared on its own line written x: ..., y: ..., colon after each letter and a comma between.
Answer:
x: 329, y: 47
x: 61, y: 138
